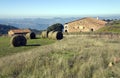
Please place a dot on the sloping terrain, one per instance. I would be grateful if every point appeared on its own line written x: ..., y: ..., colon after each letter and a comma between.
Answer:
x: 112, y: 27
x: 5, y: 28
x: 72, y: 57
x: 7, y: 49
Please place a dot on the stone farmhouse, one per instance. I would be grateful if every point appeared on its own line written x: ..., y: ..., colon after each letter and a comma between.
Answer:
x: 18, y: 31
x: 87, y: 24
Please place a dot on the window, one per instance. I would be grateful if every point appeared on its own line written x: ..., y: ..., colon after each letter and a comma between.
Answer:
x: 83, y: 27
x: 66, y: 31
x: 65, y: 26
x: 92, y: 29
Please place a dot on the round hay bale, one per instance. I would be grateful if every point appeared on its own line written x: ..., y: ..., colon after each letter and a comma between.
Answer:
x: 57, y: 35
x: 50, y: 34
x: 18, y: 40
x: 31, y: 35
x: 44, y: 34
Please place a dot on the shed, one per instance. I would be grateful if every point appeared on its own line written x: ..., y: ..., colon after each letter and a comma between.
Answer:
x: 18, y: 31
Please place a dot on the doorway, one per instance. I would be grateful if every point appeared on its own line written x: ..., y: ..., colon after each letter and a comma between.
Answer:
x: 66, y: 31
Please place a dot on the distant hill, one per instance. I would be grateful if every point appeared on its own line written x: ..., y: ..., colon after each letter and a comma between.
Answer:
x: 44, y: 23
x: 5, y: 28
x: 36, y: 31
x: 35, y: 23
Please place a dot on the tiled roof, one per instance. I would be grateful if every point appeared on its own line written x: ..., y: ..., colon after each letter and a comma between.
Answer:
x: 90, y: 21
x: 20, y: 31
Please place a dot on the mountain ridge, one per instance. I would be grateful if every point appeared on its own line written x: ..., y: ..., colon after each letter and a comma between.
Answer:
x: 5, y: 28
x: 43, y: 23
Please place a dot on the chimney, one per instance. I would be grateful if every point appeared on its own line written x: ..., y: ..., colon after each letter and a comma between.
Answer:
x: 97, y: 18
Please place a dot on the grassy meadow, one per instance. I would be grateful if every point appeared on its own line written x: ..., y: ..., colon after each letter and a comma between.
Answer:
x: 111, y: 27
x: 7, y: 49
x: 72, y: 57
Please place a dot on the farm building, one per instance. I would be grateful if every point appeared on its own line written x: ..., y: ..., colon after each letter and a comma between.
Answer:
x: 84, y: 25
x: 18, y: 31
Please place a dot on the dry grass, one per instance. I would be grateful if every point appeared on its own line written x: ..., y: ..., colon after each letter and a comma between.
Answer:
x: 44, y: 34
x: 50, y: 34
x: 72, y: 57
x: 31, y: 35
x: 57, y: 35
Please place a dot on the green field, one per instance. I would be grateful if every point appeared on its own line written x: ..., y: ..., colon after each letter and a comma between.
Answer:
x: 113, y: 27
x: 76, y: 56
x: 72, y: 57
x: 7, y: 49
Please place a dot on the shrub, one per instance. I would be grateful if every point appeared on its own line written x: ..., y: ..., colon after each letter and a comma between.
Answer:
x: 18, y: 40
x: 55, y: 27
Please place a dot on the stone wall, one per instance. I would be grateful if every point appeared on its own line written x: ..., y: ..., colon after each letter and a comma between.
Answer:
x: 84, y: 25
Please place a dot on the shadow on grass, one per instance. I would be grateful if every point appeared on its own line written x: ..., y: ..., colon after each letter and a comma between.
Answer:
x: 34, y: 38
x: 33, y: 45
x: 37, y: 38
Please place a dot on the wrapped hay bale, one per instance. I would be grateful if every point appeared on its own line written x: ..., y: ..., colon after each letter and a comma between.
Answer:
x: 18, y: 40
x: 31, y: 35
x: 57, y: 35
x: 44, y: 34
x: 50, y: 34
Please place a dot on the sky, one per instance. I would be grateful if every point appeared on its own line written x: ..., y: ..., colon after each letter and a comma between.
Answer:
x: 58, y: 8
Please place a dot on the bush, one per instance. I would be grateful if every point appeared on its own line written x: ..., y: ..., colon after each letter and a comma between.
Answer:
x: 55, y: 27
x: 18, y: 40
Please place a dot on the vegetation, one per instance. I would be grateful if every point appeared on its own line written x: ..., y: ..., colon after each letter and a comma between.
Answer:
x: 55, y: 27
x: 72, y: 57
x: 6, y: 49
x: 111, y: 27
x: 5, y: 28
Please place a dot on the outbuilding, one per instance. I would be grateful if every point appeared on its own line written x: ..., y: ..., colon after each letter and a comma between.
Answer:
x: 87, y: 24
x: 18, y: 31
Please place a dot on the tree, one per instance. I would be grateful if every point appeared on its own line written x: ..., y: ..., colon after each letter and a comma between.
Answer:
x: 55, y: 27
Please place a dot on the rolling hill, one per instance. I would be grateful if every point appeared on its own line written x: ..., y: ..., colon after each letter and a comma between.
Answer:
x: 43, y: 23
x: 5, y: 28
x: 35, y: 23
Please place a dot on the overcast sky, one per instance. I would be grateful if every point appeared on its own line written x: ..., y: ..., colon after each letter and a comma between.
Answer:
x: 58, y: 8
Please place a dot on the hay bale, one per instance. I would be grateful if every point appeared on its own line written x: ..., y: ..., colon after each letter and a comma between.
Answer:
x: 31, y: 35
x: 50, y: 34
x: 57, y: 35
x: 44, y: 34
x: 18, y: 40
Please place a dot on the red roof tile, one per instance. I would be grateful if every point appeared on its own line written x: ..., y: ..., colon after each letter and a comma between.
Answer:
x: 20, y: 31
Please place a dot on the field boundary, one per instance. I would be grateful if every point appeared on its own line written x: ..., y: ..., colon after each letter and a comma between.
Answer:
x: 95, y: 35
